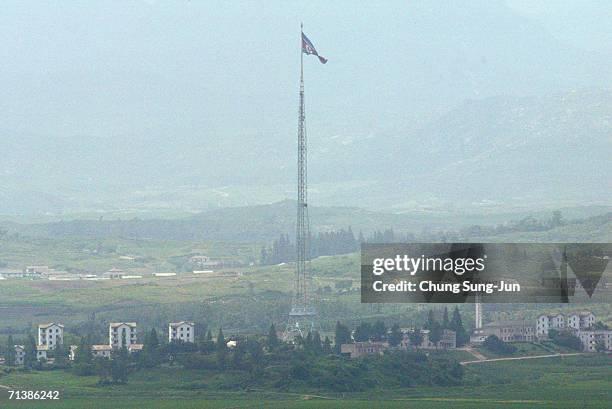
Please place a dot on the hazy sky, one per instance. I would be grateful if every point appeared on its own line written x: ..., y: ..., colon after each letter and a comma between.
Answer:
x: 122, y: 68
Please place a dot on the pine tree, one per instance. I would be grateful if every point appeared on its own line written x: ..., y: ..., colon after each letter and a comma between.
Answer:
x: 315, y: 343
x: 342, y: 336
x: 379, y: 331
x: 221, y: 349
x: 273, y: 340
x: 363, y: 332
x: 456, y: 325
x: 83, y: 353
x: 150, y: 356
x: 327, y: 346
x: 61, y: 358
x: 9, y: 355
x: 431, y: 319
x: 415, y: 337
x: 30, y: 359
x: 221, y: 344
x: 445, y: 321
x: 395, y: 337
x: 119, y: 366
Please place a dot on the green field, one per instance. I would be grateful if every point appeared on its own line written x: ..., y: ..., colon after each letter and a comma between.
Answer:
x: 568, y: 382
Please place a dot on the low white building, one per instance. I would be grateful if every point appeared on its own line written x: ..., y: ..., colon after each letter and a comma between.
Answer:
x: 41, y: 352
x: 101, y: 351
x: 135, y: 348
x: 51, y: 334
x: 121, y: 334
x: 114, y: 273
x: 181, y: 331
x: 591, y: 338
x: 19, y: 354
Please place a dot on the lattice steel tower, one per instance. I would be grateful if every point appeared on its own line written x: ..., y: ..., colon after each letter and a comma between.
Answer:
x: 302, y: 316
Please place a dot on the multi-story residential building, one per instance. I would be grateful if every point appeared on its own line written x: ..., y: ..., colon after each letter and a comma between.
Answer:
x: 556, y: 321
x: 19, y: 354
x: 542, y: 326
x: 592, y: 338
x: 574, y: 322
x: 586, y: 319
x: 51, y: 334
x: 181, y: 331
x: 121, y: 334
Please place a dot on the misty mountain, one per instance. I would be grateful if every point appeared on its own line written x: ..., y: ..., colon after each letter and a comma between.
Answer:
x: 502, y: 149
x: 499, y: 149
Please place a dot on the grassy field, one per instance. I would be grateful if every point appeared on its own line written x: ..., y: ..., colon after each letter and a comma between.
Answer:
x: 570, y: 382
x: 98, y: 255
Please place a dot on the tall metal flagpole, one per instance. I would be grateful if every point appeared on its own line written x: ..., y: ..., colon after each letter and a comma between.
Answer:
x: 302, y: 314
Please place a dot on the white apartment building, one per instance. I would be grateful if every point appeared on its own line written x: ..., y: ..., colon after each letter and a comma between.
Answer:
x: 580, y: 320
x: 542, y: 326
x: 545, y: 323
x: 121, y: 334
x: 50, y: 334
x: 181, y: 331
x: 590, y: 339
x: 576, y: 321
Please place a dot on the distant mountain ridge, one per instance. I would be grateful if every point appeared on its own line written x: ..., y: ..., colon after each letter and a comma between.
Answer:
x: 264, y: 223
x: 524, y: 150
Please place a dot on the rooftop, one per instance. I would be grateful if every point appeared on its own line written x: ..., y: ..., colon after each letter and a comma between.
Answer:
x: 50, y: 324
x: 101, y: 347
x: 118, y: 324
x: 176, y: 324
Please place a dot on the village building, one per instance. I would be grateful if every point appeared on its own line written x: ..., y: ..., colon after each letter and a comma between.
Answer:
x: 576, y: 321
x: 507, y: 331
x: 134, y: 348
x: 357, y: 349
x: 101, y: 351
x: 41, y: 352
x: 36, y: 270
x: 590, y: 339
x: 203, y: 262
x: 114, y: 274
x: 545, y: 323
x: 19, y: 354
x: 448, y: 339
x: 121, y: 334
x: 580, y: 320
x: 51, y: 334
x: 181, y: 331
